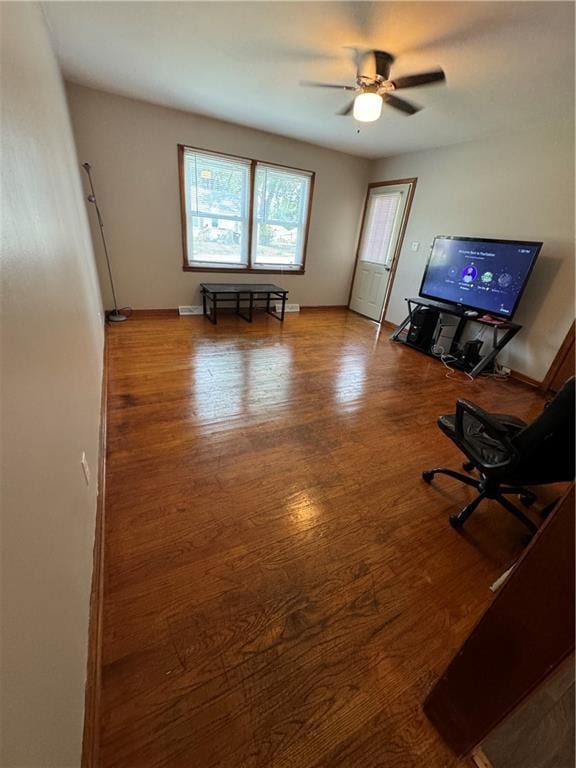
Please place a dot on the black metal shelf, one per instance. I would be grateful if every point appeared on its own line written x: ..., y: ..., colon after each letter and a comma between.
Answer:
x: 510, y: 329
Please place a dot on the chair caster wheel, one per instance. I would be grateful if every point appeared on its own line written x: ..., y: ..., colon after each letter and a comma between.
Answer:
x: 427, y: 477
x: 468, y: 466
x: 455, y: 522
x: 527, y: 501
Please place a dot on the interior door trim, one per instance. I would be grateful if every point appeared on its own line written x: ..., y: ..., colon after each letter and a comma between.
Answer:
x: 412, y: 188
x: 566, y: 349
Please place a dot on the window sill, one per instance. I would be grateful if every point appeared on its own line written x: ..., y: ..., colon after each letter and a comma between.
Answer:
x: 244, y: 270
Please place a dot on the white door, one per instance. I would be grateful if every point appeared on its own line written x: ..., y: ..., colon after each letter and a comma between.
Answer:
x: 385, y: 211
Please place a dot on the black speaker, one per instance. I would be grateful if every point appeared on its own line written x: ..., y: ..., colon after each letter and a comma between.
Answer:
x: 471, y: 355
x: 422, y: 327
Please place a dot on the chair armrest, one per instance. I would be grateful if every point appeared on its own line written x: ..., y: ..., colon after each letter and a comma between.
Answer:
x: 494, y: 429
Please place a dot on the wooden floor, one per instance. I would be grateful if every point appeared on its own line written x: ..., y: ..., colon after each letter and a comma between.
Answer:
x: 281, y: 588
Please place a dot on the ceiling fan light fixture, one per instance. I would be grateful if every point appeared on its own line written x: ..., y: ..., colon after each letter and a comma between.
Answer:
x: 367, y: 107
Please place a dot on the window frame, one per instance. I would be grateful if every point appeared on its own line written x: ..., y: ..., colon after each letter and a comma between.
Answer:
x: 249, y: 268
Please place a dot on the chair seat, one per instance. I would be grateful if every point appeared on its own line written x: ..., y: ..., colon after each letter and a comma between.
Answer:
x: 490, y: 450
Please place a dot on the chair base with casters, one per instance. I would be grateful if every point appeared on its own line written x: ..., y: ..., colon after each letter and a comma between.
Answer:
x: 487, y: 489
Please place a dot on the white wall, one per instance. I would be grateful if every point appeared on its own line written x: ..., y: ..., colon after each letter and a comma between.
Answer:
x: 132, y: 148
x: 52, y: 342
x: 519, y: 186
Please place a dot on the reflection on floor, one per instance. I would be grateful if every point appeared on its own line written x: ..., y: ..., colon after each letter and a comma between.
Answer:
x: 281, y: 589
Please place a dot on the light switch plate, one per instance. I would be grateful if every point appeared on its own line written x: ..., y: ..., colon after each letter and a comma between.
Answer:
x: 415, y: 245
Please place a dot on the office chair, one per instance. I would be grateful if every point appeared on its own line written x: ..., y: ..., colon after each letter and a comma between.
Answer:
x: 510, y: 454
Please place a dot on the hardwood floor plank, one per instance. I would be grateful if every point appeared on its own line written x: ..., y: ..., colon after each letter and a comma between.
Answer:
x: 281, y: 589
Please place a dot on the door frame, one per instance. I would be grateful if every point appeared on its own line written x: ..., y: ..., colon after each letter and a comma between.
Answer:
x: 395, y: 258
x: 566, y: 348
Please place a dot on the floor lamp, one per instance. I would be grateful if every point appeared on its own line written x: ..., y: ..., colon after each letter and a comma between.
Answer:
x: 115, y: 316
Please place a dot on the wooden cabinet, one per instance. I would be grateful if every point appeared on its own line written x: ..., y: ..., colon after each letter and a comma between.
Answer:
x: 527, y: 632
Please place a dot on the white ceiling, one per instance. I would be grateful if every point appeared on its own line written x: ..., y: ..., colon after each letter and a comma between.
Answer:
x: 508, y: 64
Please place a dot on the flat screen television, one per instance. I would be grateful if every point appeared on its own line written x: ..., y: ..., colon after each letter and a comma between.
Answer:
x: 478, y: 273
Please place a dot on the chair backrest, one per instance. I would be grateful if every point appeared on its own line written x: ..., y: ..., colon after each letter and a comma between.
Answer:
x: 546, y: 446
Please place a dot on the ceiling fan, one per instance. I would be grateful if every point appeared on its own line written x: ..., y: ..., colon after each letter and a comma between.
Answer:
x: 373, y: 92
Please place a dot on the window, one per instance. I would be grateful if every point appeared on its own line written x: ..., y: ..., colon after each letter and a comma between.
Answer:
x: 381, y: 221
x: 243, y: 215
x: 216, y: 192
x: 280, y: 215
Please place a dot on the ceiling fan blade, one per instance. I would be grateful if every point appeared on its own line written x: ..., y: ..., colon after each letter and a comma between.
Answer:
x: 425, y: 78
x: 314, y: 84
x: 401, y: 104
x: 383, y: 62
x: 347, y: 110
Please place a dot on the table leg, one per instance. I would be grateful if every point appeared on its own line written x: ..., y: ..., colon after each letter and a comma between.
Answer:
x: 251, y: 305
x: 509, y: 334
x: 247, y: 317
x: 237, y: 303
x: 204, y: 303
x: 275, y: 297
x: 214, y: 317
x: 400, y: 328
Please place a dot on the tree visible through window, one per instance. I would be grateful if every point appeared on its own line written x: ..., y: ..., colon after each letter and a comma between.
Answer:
x: 216, y: 193
x: 230, y: 203
x: 281, y: 209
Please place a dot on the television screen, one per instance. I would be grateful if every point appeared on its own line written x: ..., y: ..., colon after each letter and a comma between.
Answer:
x: 481, y: 274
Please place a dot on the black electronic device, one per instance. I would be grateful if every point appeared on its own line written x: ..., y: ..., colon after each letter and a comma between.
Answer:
x: 471, y: 353
x: 479, y: 274
x: 423, y: 327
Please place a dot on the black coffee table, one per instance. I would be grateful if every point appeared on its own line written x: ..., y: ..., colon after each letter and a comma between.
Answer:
x: 215, y: 293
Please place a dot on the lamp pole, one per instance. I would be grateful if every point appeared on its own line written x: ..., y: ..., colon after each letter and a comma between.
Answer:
x: 115, y: 316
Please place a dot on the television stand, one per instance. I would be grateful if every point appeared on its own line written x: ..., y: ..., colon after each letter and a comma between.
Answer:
x: 499, y: 341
